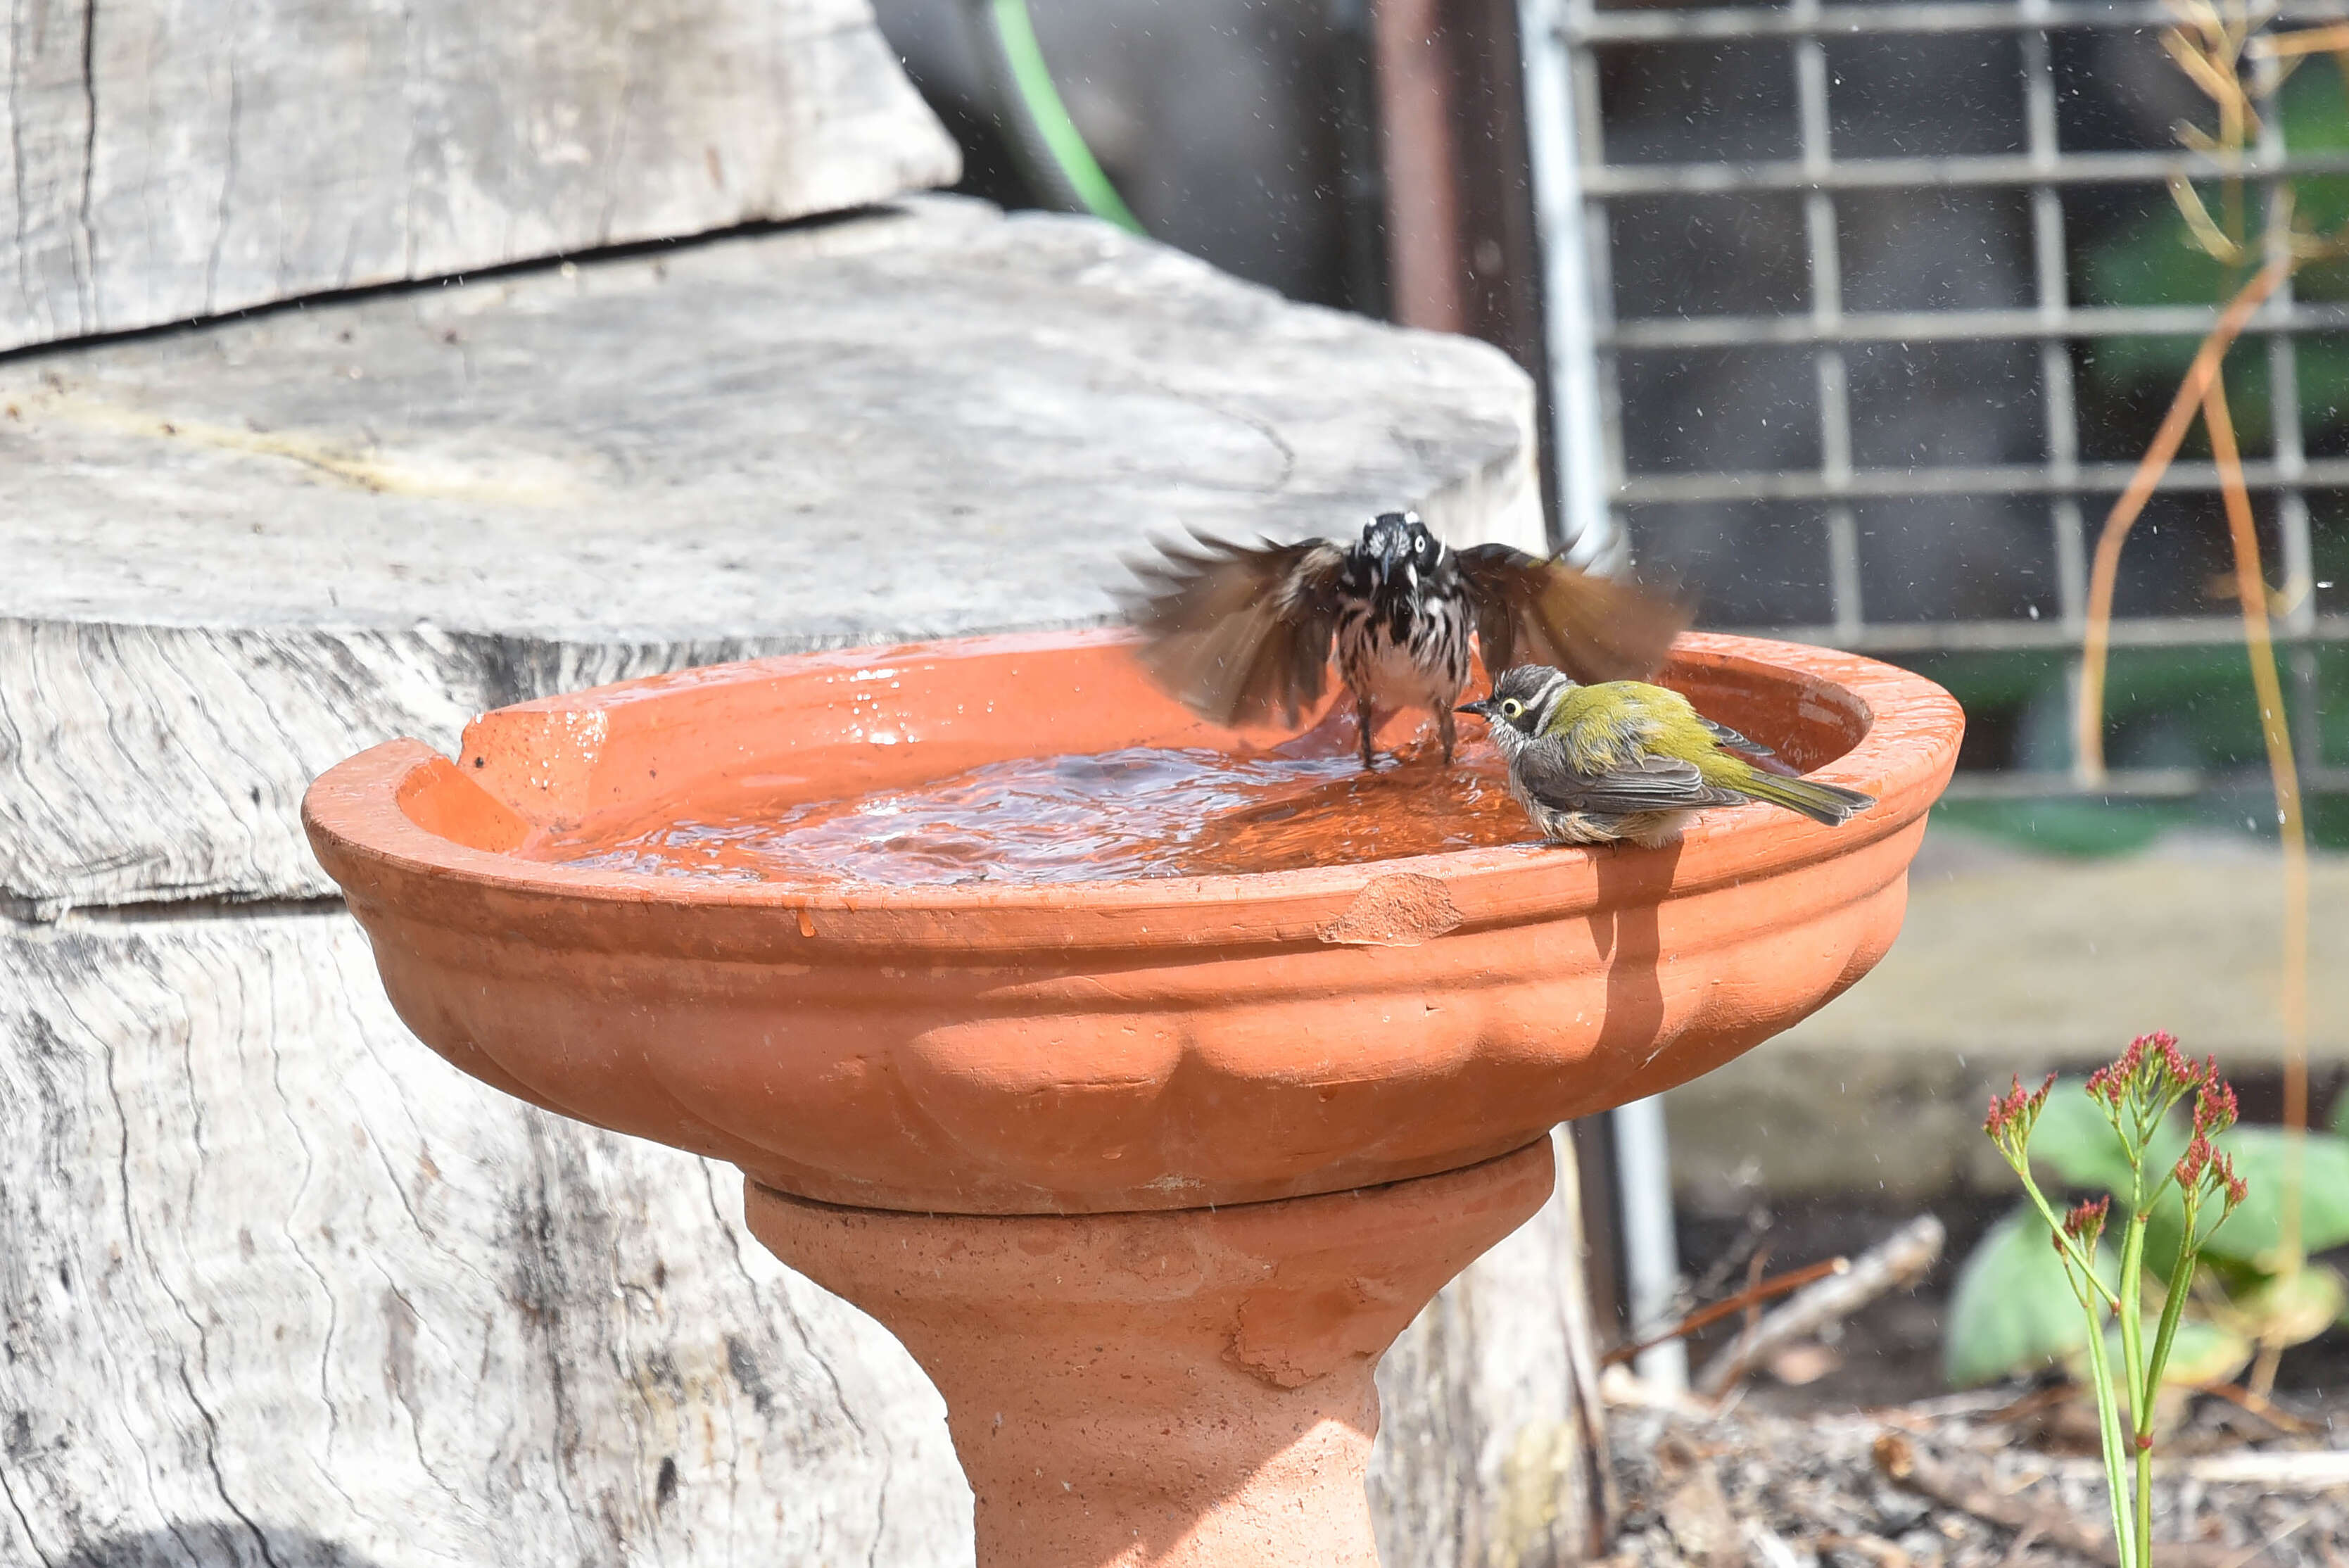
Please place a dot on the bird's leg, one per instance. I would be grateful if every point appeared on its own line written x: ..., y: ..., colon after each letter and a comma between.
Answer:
x: 1363, y: 717
x: 1447, y: 731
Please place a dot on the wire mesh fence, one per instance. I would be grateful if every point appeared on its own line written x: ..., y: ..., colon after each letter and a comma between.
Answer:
x: 1883, y: 302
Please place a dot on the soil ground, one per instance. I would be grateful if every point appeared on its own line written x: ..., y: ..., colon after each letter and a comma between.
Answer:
x: 1890, y: 1353
x: 1793, y: 1473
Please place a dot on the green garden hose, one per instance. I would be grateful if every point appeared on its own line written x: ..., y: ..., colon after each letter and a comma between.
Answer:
x: 1051, y: 150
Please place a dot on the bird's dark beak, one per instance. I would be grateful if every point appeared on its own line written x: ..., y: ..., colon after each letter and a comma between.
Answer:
x: 1482, y: 709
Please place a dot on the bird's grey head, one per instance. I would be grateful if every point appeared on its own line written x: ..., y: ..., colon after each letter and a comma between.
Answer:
x: 1520, y: 706
x: 1396, y: 551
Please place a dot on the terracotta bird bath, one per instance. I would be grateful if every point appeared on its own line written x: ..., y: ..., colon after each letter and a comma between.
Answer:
x: 1146, y: 1172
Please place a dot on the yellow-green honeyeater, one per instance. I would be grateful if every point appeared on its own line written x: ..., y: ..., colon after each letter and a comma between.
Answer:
x: 1593, y: 764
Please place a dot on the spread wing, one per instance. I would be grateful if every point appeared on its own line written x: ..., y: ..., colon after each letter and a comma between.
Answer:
x: 1648, y: 783
x: 1530, y: 610
x: 1240, y: 633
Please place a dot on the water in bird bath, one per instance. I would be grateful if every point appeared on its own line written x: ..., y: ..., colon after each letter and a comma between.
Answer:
x: 1135, y: 813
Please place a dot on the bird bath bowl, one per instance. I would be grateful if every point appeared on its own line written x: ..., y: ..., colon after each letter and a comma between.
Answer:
x: 1145, y: 1172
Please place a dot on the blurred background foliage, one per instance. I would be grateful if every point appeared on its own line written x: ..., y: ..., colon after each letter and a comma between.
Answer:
x: 2150, y: 259
x: 2168, y: 708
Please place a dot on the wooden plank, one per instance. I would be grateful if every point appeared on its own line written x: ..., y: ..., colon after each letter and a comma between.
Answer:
x: 174, y: 161
x: 240, y: 552
x: 283, y: 1290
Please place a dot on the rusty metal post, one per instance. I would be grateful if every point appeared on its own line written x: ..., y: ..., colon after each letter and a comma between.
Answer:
x: 1463, y: 254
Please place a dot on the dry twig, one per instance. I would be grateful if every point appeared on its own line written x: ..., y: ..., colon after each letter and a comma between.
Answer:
x: 2209, y: 45
x: 2259, y: 1405
x: 1793, y: 1280
x: 1947, y: 1484
x: 1898, y: 1259
x: 2250, y: 583
x: 2105, y: 571
x: 1875, y: 1548
x: 2305, y: 1469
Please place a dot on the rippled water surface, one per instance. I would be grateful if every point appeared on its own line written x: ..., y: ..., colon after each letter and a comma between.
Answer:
x: 1144, y: 811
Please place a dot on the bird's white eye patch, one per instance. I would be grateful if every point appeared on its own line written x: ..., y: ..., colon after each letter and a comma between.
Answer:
x: 1511, y: 708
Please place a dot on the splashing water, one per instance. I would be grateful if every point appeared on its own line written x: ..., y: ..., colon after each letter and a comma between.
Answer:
x: 1142, y: 811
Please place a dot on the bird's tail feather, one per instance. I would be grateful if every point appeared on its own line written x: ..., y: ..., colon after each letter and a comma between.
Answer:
x: 1823, y: 803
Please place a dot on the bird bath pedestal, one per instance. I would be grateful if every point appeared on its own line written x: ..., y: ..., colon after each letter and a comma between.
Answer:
x: 1146, y: 1174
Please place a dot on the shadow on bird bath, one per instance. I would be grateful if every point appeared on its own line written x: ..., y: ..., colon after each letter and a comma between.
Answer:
x: 1625, y: 930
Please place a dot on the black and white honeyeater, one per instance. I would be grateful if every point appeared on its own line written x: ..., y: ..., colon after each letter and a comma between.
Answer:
x: 1241, y: 633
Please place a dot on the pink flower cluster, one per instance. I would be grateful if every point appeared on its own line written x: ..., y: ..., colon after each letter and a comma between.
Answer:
x: 2136, y: 1091
x: 2200, y: 1163
x: 2152, y: 1075
x: 2214, y: 1106
x: 2152, y: 1070
x: 2012, y: 1113
x: 2085, y: 1224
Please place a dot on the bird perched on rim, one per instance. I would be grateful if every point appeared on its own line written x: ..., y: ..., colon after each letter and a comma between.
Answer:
x: 1593, y: 765
x: 1241, y: 633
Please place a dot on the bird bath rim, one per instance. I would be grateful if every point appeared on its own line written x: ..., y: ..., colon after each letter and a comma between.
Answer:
x: 399, y: 811
x: 1096, y: 1047
x: 1057, y: 1126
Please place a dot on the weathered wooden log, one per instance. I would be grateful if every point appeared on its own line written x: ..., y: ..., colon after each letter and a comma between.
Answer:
x: 174, y: 161
x: 274, y: 1274
x: 280, y: 1288
x: 241, y: 554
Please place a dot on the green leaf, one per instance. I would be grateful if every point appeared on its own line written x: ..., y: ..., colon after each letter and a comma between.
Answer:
x: 2292, y: 1309
x: 2339, y: 1122
x: 2012, y: 1309
x: 2254, y: 1232
x: 2202, y: 1352
x: 2259, y: 1156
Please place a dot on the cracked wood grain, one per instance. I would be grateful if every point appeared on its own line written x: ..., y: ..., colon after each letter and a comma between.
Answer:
x: 276, y: 1274
x: 175, y: 160
x: 1486, y: 1440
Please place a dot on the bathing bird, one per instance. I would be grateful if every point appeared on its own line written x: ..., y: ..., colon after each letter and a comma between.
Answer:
x: 1620, y: 760
x: 1241, y: 633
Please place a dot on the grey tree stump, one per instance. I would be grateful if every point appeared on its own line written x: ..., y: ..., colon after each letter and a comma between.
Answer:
x: 170, y: 160
x: 279, y: 1287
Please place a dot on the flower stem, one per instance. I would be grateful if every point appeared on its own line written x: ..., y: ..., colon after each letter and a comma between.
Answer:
x: 2132, y: 1314
x: 2072, y: 1253
x: 2109, y: 1428
x: 2140, y: 1371
x: 2173, y: 1305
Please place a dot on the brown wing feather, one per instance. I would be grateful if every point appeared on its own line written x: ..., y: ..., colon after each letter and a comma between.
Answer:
x: 1240, y: 633
x: 1534, y: 611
